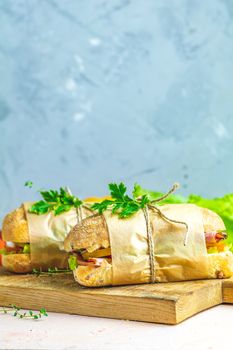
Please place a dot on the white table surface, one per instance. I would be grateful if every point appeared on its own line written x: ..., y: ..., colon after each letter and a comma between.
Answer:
x: 209, y: 330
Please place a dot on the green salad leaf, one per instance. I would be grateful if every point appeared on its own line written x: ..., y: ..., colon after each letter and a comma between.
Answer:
x: 26, y: 248
x: 173, y: 198
x: 72, y: 262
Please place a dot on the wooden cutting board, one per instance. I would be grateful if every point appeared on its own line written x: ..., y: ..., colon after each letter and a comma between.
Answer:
x: 168, y: 303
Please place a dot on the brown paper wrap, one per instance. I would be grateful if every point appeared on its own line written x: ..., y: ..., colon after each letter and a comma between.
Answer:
x: 173, y: 260
x: 47, y: 233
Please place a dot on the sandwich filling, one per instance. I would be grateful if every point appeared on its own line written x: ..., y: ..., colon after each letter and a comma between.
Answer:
x: 94, y: 259
x: 215, y: 243
x: 15, y: 248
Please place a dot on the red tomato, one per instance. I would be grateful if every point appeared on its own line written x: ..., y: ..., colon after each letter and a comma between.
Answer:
x: 2, y: 245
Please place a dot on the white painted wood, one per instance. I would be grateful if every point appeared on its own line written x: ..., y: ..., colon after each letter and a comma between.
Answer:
x: 211, y: 329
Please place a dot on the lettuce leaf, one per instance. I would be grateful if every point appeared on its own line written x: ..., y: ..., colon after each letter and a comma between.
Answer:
x: 173, y: 198
x: 72, y: 261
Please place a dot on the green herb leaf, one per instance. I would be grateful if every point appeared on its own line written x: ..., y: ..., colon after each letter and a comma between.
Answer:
x: 59, y: 202
x: 129, y: 209
x: 28, y: 184
x: 144, y: 200
x: 72, y: 261
x: 77, y: 202
x: 102, y: 206
x: 121, y: 203
x: 62, y: 208
x: 50, y: 271
x: 50, y: 196
x: 16, y: 312
x: 117, y: 191
x: 43, y: 312
x: 41, y: 207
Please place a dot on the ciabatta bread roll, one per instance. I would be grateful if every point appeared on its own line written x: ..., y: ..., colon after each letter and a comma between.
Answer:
x: 16, y: 235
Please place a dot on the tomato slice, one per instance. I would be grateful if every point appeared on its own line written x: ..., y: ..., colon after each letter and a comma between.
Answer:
x: 2, y: 245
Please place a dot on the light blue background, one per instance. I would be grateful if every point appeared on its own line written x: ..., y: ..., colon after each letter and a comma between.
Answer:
x: 115, y: 90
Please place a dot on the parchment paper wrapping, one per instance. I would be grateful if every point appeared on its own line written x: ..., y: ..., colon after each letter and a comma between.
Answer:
x: 47, y: 233
x: 173, y: 260
x: 129, y: 248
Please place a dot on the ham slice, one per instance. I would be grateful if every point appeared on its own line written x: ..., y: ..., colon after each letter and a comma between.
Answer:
x: 94, y: 262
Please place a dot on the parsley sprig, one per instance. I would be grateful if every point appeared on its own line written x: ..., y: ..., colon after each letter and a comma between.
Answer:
x: 51, y: 271
x: 28, y: 184
x: 121, y: 203
x: 16, y: 312
x: 56, y: 201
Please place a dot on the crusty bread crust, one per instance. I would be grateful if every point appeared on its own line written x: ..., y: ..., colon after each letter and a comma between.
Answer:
x: 17, y: 263
x: 220, y: 266
x: 212, y: 221
x: 15, y: 226
x: 91, y: 234
x: 94, y: 276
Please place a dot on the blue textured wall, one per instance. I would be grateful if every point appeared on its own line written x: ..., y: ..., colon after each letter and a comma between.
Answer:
x: 102, y: 90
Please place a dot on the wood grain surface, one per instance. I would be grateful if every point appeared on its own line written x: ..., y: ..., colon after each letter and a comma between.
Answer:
x: 227, y: 291
x: 168, y: 303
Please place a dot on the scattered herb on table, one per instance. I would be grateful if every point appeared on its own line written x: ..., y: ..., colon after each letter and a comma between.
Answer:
x: 50, y: 271
x: 16, y: 312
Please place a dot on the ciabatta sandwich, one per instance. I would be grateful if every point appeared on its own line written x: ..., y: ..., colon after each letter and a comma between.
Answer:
x: 109, y: 250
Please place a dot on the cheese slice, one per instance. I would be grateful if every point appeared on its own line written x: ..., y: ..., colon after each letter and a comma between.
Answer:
x: 100, y: 253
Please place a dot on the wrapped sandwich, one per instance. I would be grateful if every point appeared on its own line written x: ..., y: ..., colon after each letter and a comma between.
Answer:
x: 34, y: 233
x: 175, y: 242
